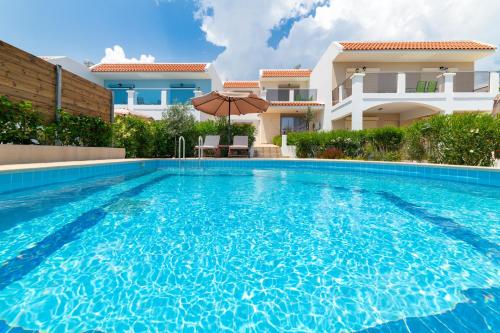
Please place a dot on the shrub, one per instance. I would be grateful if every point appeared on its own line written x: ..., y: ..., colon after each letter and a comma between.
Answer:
x: 462, y: 139
x: 176, y: 121
x: 386, y: 139
x: 332, y: 153
x: 80, y: 130
x: 19, y: 122
x: 134, y: 134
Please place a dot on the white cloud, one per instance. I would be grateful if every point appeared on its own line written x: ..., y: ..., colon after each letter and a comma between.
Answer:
x: 243, y: 28
x: 117, y: 55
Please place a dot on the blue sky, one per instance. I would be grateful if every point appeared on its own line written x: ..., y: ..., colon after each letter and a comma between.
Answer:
x: 83, y: 29
x: 240, y: 36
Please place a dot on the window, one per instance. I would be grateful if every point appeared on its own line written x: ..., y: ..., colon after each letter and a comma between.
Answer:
x: 293, y: 124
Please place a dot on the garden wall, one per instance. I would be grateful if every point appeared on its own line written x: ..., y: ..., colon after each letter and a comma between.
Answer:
x: 24, y: 76
x: 18, y: 154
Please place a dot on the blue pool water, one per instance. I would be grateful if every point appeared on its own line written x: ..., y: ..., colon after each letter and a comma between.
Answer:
x: 250, y: 249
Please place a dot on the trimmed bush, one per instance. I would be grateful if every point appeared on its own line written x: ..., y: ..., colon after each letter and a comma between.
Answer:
x: 134, y: 134
x: 19, y: 122
x: 461, y: 139
x: 78, y: 130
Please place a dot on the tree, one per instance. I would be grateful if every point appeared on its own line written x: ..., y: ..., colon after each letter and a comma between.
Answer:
x: 309, y: 117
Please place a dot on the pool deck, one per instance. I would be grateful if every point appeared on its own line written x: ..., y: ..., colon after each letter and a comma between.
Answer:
x: 56, y: 165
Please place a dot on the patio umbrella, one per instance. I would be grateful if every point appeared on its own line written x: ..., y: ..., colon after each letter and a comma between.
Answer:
x: 219, y: 103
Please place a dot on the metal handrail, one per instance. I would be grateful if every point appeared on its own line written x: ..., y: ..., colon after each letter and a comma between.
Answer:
x: 182, y: 144
x: 200, y: 149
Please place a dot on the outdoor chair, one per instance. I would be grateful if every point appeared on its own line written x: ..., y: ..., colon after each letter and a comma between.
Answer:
x: 240, y: 143
x: 211, y: 143
x: 421, y: 86
x: 431, y: 86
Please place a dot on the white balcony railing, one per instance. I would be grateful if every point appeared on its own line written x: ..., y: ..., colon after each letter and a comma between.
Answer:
x: 290, y: 94
x: 153, y: 98
x: 401, y: 83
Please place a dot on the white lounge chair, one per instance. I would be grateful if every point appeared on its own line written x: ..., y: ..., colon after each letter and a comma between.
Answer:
x: 211, y: 143
x: 240, y: 143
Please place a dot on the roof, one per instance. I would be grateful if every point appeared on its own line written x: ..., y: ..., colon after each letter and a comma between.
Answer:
x: 440, y: 45
x: 286, y: 72
x: 296, y: 103
x: 241, y: 84
x: 155, y: 67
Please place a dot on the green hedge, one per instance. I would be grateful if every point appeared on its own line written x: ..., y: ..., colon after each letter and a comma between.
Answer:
x: 20, y: 123
x: 462, y: 139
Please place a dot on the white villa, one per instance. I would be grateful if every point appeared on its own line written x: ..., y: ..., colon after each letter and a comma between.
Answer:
x: 354, y: 85
x: 358, y: 85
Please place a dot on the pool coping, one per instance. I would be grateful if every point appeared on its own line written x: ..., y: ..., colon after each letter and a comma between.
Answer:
x: 69, y: 164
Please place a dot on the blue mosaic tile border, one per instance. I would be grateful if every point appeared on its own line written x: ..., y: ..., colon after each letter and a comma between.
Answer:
x: 480, y: 176
x: 19, y: 180
x: 26, y: 179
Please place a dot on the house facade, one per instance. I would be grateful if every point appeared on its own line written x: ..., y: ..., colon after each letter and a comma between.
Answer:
x: 291, y: 99
x: 357, y: 85
x: 149, y: 89
x: 376, y: 84
x: 354, y: 85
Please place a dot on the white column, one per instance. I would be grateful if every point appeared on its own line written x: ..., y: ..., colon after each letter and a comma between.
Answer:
x: 357, y: 101
x: 494, y: 82
x: 263, y: 93
x: 197, y: 114
x: 130, y: 100
x: 448, y: 92
x: 401, y: 83
x: 164, y: 97
x: 341, y: 93
x: 292, y: 95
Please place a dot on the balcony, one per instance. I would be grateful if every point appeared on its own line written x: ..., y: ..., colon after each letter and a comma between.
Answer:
x: 413, y: 93
x: 152, y: 101
x: 418, y: 85
x: 290, y: 95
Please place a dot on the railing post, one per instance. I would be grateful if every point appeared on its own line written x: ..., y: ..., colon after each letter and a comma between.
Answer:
x: 357, y: 101
x: 494, y: 82
x: 401, y: 83
x: 341, y: 93
x: 291, y: 95
x: 448, y: 92
x: 163, y: 99
x: 130, y: 100
x: 58, y: 91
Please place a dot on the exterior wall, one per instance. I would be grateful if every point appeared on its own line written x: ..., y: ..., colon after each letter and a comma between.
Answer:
x: 76, y: 68
x: 340, y: 68
x: 321, y: 79
x: 269, y: 127
x: 17, y: 154
x: 214, y: 76
x: 275, y: 84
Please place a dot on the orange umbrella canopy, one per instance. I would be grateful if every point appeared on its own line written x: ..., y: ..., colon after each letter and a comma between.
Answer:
x: 230, y: 103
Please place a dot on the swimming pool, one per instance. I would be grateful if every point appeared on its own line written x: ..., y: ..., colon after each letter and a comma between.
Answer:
x: 250, y: 246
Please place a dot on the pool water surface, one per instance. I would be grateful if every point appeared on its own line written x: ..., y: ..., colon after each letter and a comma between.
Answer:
x: 249, y: 249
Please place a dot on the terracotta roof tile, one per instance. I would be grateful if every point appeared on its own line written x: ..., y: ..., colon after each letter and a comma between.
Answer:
x: 149, y: 67
x: 286, y: 72
x: 241, y: 84
x: 296, y: 103
x: 441, y: 45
